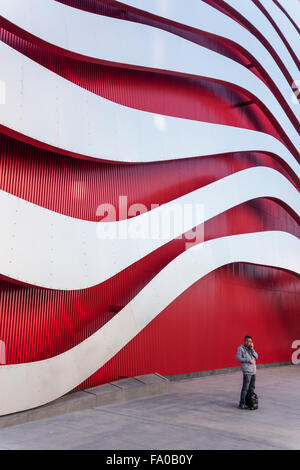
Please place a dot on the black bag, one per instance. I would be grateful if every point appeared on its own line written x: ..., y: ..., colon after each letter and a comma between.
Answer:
x: 252, y: 401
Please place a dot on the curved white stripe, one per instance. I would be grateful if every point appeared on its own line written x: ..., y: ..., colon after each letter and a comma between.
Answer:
x: 206, y: 18
x: 292, y: 9
x: 81, y: 122
x: 254, y: 15
x: 127, y: 42
x: 51, y: 250
x: 132, y: 43
x: 284, y: 24
x: 29, y: 385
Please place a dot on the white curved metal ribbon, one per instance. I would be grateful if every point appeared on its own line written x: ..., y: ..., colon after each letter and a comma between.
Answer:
x: 47, y: 249
x: 83, y: 123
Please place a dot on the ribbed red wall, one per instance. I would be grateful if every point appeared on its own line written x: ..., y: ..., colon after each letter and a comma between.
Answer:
x: 202, y: 328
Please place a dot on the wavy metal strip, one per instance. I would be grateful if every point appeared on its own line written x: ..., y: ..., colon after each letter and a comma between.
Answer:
x: 85, y: 124
x: 46, y: 249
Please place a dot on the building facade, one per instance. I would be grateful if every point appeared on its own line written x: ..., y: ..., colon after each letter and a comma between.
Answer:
x: 149, y: 189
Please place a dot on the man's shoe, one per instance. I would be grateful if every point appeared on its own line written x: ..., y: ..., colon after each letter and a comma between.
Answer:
x: 243, y: 407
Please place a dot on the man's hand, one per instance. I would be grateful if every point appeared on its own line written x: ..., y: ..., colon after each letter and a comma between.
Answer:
x: 251, y: 362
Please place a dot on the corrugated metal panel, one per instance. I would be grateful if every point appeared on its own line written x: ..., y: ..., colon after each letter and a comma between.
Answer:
x: 77, y: 187
x: 201, y: 329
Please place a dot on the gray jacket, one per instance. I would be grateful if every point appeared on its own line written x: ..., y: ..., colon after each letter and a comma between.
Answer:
x: 245, y: 355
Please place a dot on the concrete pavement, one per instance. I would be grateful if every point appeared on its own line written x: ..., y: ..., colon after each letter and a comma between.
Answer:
x: 198, y: 413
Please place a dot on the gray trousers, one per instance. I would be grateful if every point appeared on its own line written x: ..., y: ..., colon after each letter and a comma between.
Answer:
x: 248, y: 385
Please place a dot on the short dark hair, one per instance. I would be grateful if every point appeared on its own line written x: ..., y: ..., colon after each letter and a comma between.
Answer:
x: 250, y: 337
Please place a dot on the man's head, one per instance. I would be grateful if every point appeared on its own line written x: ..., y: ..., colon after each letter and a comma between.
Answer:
x: 248, y: 341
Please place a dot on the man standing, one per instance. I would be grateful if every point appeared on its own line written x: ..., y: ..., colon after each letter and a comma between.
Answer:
x: 247, y: 356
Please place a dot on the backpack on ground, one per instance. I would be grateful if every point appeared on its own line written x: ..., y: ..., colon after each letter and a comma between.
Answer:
x: 252, y: 401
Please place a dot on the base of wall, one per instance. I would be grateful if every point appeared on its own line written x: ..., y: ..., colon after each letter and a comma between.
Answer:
x: 113, y: 392
x: 119, y: 391
x: 204, y: 373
